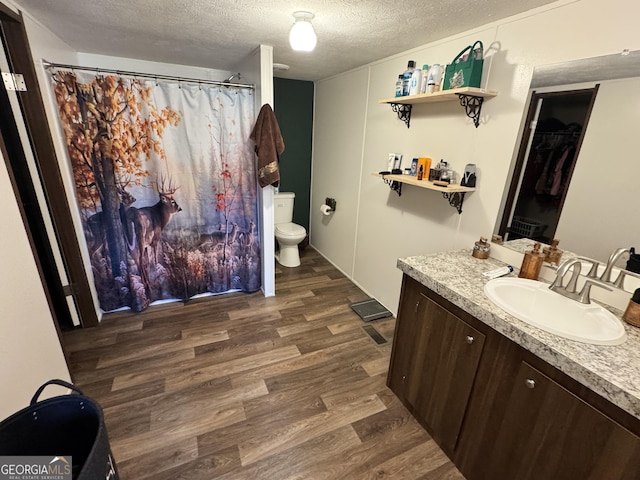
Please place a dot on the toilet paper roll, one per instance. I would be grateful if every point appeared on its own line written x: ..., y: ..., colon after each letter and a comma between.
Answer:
x: 325, y: 209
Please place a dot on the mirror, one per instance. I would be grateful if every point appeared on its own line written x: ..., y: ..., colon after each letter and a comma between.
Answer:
x: 599, y: 212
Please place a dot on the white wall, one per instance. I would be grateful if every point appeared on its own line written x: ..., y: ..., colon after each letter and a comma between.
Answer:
x: 258, y: 68
x: 599, y: 214
x: 336, y: 168
x: 421, y: 222
x: 30, y: 352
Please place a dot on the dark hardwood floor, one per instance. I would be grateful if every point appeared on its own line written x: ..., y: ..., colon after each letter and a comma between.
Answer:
x: 241, y: 386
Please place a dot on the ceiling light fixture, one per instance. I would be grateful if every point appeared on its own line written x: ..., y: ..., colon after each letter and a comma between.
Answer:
x: 302, y: 37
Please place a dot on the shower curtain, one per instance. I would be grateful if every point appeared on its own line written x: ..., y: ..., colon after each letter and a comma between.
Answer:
x: 166, y: 186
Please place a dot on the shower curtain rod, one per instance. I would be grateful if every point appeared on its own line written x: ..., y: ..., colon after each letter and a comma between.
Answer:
x: 225, y: 83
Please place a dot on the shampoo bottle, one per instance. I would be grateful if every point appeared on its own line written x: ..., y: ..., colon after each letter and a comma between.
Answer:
x: 532, y: 263
x: 416, y: 82
x: 434, y: 78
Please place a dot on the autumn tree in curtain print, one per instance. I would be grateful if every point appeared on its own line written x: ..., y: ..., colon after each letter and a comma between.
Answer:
x: 165, y: 182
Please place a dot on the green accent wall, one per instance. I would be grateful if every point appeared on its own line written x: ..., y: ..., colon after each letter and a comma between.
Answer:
x: 293, y: 101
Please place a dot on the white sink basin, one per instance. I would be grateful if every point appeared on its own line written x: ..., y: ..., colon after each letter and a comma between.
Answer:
x: 533, y: 303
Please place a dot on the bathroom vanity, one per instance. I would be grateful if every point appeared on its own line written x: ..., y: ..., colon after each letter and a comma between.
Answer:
x: 504, y: 399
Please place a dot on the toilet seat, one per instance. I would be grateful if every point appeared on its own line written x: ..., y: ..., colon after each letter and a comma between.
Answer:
x: 290, y: 230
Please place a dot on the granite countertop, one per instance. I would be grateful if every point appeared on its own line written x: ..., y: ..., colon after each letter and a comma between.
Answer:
x: 612, y: 372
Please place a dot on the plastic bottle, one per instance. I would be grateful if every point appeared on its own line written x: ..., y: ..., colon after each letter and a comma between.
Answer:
x: 416, y: 82
x: 439, y: 77
x: 425, y: 74
x: 434, y: 79
x: 399, y: 86
x: 406, y: 77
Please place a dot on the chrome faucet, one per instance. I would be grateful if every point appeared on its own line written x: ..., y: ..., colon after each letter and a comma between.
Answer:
x: 570, y: 291
x: 613, y: 259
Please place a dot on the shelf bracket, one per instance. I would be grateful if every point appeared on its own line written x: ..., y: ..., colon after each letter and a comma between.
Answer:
x: 403, y: 110
x: 393, y: 185
x: 472, y: 106
x: 455, y: 199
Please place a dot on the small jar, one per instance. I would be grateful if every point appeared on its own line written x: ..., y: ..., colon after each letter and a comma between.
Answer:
x: 481, y: 249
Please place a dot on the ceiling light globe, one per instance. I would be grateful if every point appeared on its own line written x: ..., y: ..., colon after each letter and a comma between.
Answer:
x: 302, y: 37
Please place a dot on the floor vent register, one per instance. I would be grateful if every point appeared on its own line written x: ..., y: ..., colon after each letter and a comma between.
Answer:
x: 369, y: 310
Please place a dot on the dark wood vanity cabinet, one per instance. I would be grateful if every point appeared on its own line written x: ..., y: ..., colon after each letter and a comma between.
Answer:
x: 497, y: 410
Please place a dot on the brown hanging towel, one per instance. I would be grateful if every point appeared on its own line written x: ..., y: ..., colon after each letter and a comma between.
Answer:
x: 269, y: 146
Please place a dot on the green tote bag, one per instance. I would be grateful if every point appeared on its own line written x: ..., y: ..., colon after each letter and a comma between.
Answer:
x: 467, y: 73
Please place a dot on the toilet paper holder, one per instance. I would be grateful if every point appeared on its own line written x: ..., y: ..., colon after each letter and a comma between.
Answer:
x: 331, y: 203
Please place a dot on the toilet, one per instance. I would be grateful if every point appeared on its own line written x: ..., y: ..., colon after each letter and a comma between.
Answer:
x: 288, y: 234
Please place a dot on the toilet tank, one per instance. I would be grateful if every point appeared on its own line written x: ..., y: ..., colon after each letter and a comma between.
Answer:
x: 284, y: 207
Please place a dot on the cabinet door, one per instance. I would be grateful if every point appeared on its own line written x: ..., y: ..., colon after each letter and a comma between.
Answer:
x: 405, y: 346
x: 549, y: 433
x: 451, y: 351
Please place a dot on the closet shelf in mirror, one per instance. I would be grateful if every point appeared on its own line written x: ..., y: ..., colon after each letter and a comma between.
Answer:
x: 471, y: 98
x: 453, y: 193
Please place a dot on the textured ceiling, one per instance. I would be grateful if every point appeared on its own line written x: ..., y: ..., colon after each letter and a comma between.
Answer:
x: 219, y: 33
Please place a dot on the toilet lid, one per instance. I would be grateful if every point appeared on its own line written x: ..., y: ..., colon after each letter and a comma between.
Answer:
x: 290, y: 229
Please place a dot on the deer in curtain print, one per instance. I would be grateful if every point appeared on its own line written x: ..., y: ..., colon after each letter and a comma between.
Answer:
x: 95, y: 223
x: 145, y: 226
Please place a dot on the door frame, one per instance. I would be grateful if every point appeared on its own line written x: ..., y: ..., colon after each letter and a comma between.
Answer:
x: 19, y: 56
x: 521, y: 159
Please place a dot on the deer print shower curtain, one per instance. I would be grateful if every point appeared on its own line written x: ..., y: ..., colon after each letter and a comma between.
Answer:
x: 165, y: 182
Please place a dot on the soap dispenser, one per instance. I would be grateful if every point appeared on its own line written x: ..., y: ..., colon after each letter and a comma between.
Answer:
x: 532, y: 263
x: 552, y: 253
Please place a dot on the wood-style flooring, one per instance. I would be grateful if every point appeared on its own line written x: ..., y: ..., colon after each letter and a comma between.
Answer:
x: 240, y: 386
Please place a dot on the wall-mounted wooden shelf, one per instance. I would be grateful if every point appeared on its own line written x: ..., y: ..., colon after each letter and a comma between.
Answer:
x: 453, y: 193
x: 470, y: 98
x: 441, y: 96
